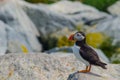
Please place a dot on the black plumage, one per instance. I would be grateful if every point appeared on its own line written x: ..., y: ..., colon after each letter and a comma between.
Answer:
x: 89, y: 54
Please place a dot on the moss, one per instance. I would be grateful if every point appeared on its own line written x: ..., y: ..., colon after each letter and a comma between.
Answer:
x: 24, y: 49
x: 116, y: 62
x: 79, y: 27
x: 118, y: 49
x: 94, y: 39
x: 108, y: 48
x: 63, y: 41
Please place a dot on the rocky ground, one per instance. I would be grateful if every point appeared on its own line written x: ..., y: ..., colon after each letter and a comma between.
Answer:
x: 57, y: 66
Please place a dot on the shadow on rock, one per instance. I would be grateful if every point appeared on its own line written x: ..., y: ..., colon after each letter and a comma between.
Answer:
x: 73, y: 75
x: 94, y: 74
x: 76, y: 76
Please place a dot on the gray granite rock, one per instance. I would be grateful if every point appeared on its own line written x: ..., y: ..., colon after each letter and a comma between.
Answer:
x: 3, y: 38
x: 114, y: 9
x: 109, y: 27
x: 20, y: 30
x: 51, y: 67
x: 54, y: 17
x: 16, y: 41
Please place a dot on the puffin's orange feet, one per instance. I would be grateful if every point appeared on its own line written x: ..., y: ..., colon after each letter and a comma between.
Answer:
x: 88, y: 68
x: 83, y: 71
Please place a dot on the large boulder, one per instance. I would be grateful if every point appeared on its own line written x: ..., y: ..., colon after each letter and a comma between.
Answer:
x: 54, y: 17
x: 109, y: 27
x: 51, y: 67
x: 3, y: 38
x: 114, y: 9
x: 110, y: 74
x: 20, y: 31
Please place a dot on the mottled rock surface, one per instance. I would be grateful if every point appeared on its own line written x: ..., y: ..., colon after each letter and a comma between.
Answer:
x: 114, y: 9
x: 110, y: 27
x: 51, y: 67
x: 54, y: 17
x: 17, y: 30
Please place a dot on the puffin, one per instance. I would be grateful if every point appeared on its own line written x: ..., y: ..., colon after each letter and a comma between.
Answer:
x: 84, y: 52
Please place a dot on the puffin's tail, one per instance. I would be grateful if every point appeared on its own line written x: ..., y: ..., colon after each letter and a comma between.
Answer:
x: 101, y: 64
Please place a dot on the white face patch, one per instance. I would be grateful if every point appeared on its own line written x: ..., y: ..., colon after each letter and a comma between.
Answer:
x: 78, y: 37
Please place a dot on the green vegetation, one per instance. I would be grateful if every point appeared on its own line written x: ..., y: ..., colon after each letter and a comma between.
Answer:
x: 52, y: 42
x: 116, y: 62
x: 100, y: 4
x: 109, y: 49
x: 63, y: 41
x: 48, y: 42
x: 41, y: 1
x: 94, y: 39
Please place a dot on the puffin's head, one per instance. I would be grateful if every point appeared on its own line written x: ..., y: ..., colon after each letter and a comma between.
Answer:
x: 78, y: 36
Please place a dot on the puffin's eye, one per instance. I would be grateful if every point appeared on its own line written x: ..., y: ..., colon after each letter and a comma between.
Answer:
x: 78, y: 34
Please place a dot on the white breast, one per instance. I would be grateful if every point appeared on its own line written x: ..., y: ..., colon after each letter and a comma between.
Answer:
x: 76, y: 50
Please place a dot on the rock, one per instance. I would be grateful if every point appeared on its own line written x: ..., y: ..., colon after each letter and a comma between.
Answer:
x: 3, y: 38
x: 115, y: 58
x: 57, y: 49
x: 54, y: 17
x: 114, y: 9
x: 46, y: 20
x: 51, y: 67
x: 105, y: 75
x: 3, y: 2
x: 21, y: 30
x: 16, y: 41
x: 109, y: 27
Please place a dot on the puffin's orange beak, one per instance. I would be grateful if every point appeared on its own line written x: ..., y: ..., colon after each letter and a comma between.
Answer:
x: 71, y: 37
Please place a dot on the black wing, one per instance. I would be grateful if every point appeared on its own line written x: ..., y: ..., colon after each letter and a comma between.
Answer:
x: 89, y: 55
